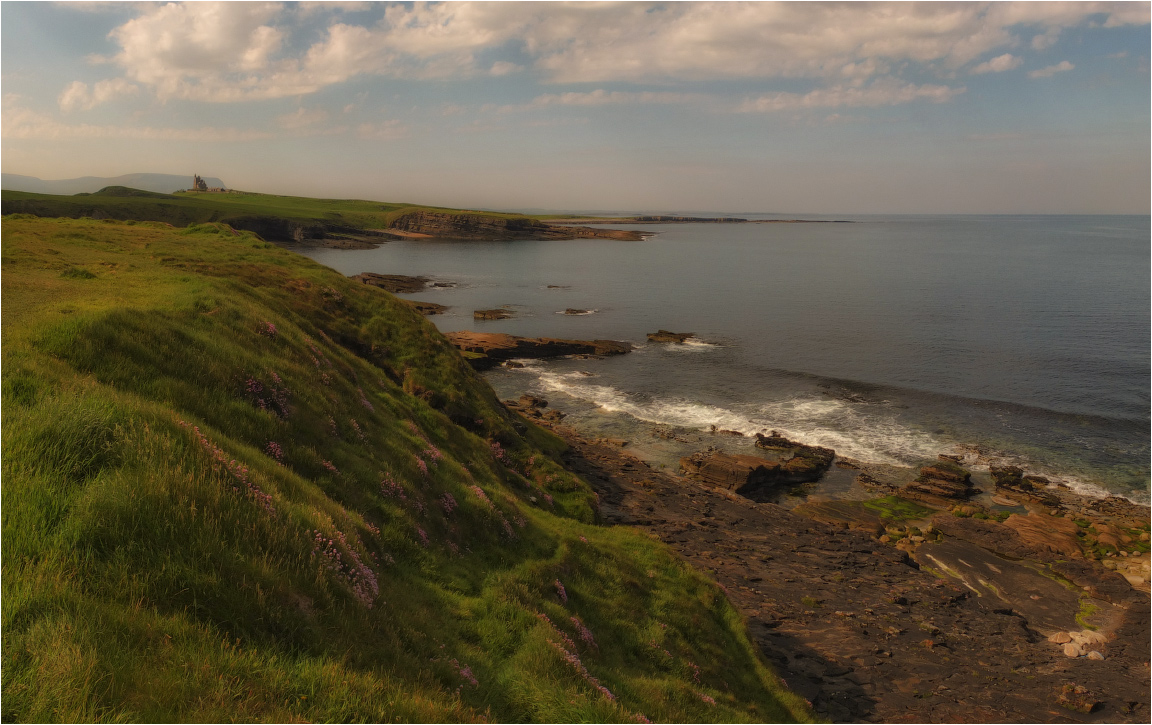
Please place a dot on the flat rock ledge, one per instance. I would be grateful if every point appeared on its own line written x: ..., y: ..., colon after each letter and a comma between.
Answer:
x: 485, y: 350
x: 666, y: 336
x: 749, y: 475
x: 394, y: 283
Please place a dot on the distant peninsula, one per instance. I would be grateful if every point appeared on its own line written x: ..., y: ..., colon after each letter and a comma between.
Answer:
x: 344, y: 224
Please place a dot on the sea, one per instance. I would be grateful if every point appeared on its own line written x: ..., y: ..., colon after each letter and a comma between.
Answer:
x: 892, y: 339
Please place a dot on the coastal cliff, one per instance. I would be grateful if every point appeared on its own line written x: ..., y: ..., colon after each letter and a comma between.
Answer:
x: 240, y: 486
x: 464, y: 225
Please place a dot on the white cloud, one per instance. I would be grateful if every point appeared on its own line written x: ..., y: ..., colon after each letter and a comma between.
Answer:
x: 999, y: 64
x: 78, y: 96
x: 1047, y: 40
x: 237, y: 51
x: 1051, y: 70
x: 885, y: 92
x: 302, y: 118
x: 503, y: 68
x: 22, y: 123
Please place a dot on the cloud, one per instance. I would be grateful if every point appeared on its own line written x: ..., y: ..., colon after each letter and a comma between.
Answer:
x: 385, y: 130
x: 22, y: 123
x: 1047, y: 40
x: 1051, y: 70
x: 999, y: 64
x: 302, y: 118
x: 223, y: 52
x: 503, y: 68
x: 77, y: 95
x: 886, y: 92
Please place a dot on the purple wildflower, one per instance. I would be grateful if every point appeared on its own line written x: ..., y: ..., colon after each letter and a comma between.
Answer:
x: 390, y: 488
x: 584, y: 633
x: 706, y: 698
x: 274, y: 450
x: 221, y: 462
x: 356, y: 427
x: 423, y: 536
x: 329, y: 466
x: 481, y: 495
x: 448, y: 502
x: 422, y: 466
x: 267, y: 329
x: 354, y: 573
x: 364, y: 400
x: 498, y: 452
x: 560, y: 591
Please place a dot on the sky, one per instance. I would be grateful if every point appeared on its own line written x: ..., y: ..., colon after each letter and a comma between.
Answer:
x: 971, y: 108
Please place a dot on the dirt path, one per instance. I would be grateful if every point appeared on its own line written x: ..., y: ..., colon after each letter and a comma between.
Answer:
x: 854, y: 625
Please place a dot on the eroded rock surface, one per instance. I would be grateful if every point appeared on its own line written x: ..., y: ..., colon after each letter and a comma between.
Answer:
x: 857, y: 627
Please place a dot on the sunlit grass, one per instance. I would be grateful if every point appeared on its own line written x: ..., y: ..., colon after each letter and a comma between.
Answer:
x: 238, y: 486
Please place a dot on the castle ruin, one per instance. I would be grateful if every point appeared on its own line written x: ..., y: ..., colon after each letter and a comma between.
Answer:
x: 199, y: 184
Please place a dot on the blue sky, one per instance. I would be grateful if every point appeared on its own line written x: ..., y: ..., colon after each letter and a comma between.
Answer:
x: 727, y: 107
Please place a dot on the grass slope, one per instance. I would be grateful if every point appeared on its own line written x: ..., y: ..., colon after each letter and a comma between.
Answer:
x: 238, y: 486
x: 241, y: 209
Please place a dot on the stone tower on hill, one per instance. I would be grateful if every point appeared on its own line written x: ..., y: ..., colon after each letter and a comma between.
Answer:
x: 198, y: 183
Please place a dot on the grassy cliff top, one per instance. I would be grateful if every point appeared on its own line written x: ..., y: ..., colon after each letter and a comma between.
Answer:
x: 239, y: 486
x: 191, y: 207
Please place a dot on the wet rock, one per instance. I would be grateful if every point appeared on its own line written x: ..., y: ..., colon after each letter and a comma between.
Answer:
x: 721, y: 431
x: 426, y: 308
x: 666, y: 336
x: 940, y: 483
x: 806, y: 463
x: 532, y: 401
x: 394, y: 283
x: 574, y: 311
x: 513, y: 364
x: 490, y: 348
x: 491, y: 314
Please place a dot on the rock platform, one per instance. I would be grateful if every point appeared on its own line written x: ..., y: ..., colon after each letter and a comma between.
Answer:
x: 868, y: 632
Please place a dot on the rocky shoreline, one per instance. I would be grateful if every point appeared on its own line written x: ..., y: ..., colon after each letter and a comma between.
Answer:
x: 921, y: 605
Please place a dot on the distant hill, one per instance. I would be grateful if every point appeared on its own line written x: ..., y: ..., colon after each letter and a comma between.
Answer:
x: 160, y: 183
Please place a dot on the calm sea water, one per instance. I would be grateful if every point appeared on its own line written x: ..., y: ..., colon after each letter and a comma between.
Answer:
x: 890, y: 339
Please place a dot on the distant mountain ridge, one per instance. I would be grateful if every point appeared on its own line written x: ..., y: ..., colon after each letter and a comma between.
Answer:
x: 160, y: 183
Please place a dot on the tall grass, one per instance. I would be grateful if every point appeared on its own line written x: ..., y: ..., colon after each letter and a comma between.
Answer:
x: 237, y: 486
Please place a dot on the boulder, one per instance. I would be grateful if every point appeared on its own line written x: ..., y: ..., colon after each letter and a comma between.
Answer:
x: 940, y: 483
x: 749, y: 475
x: 1060, y: 638
x: 807, y: 463
x: 1073, y: 650
x: 666, y: 336
x: 574, y: 311
x: 730, y: 472
x: 1076, y: 697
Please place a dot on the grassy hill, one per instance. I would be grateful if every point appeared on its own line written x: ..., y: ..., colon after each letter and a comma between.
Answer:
x: 273, y: 217
x: 238, y: 486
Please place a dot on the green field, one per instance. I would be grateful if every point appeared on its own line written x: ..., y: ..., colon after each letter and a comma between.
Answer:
x: 238, y: 486
x: 263, y: 213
